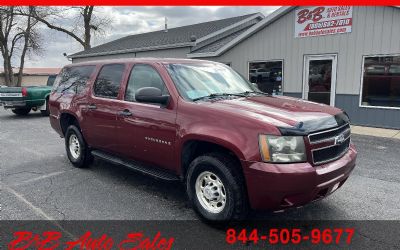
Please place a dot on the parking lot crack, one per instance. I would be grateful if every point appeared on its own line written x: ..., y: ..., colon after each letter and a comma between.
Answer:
x: 58, y: 210
x: 383, y: 243
x: 51, y: 195
x: 22, y: 172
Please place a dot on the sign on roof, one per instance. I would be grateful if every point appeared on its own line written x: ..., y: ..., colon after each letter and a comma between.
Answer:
x: 323, y: 20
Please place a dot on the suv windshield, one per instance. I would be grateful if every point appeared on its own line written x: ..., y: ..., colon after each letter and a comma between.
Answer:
x: 195, y: 81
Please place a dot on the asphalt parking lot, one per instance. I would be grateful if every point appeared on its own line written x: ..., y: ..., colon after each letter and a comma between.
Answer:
x: 38, y: 182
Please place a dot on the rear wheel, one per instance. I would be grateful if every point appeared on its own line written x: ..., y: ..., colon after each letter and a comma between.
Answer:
x: 77, y: 150
x: 21, y: 111
x: 216, y: 188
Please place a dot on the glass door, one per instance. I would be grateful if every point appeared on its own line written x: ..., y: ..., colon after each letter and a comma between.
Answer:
x: 319, y: 81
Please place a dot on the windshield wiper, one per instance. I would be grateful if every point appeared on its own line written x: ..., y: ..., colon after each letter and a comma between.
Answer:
x: 246, y: 93
x: 215, y: 95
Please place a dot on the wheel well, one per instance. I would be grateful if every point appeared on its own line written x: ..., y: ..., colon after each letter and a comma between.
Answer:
x: 66, y: 120
x: 195, y: 148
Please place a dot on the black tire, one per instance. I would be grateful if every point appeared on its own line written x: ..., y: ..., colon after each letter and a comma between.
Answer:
x: 46, y: 112
x: 21, y: 111
x: 85, y: 158
x: 227, y: 169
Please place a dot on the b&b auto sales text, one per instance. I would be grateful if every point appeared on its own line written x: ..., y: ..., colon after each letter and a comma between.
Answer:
x: 51, y: 241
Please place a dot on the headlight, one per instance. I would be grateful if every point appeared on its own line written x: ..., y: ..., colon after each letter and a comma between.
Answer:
x: 282, y: 148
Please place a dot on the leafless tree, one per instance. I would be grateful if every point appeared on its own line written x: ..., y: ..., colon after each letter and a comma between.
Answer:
x: 18, y: 37
x: 86, y: 22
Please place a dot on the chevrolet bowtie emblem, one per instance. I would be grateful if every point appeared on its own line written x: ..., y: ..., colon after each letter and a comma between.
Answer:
x: 339, y: 139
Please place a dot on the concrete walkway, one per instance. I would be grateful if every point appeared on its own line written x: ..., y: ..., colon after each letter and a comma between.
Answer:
x: 378, y: 132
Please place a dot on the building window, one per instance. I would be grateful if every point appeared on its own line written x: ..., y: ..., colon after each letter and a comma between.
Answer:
x: 381, y: 81
x: 268, y: 75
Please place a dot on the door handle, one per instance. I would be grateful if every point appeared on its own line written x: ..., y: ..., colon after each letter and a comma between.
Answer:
x: 125, y: 113
x: 92, y: 106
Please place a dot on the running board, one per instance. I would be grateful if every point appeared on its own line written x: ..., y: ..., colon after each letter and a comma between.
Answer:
x: 154, y: 172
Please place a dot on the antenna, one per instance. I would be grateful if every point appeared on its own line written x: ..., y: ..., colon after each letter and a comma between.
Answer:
x: 166, y: 25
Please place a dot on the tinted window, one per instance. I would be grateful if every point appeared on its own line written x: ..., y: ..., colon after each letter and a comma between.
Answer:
x: 108, y: 81
x: 143, y: 76
x: 381, y: 81
x: 50, y: 80
x: 72, y: 79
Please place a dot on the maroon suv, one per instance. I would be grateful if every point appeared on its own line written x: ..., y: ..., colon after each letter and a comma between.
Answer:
x: 202, y: 123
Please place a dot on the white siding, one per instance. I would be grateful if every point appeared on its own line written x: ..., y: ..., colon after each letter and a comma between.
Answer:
x: 376, y: 30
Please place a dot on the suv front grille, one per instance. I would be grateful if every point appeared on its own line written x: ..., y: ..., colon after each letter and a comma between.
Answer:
x: 329, y: 145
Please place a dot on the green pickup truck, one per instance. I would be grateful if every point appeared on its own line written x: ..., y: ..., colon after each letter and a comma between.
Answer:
x: 21, y: 100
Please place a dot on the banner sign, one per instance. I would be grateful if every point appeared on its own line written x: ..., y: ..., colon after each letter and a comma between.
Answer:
x: 323, y: 20
x: 274, y: 233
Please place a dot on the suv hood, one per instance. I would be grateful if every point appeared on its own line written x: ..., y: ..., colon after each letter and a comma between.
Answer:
x: 290, y: 115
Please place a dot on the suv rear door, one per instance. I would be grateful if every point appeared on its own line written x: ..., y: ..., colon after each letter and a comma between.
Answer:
x: 147, y: 131
x: 99, y: 117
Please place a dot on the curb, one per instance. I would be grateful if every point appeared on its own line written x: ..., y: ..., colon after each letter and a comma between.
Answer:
x: 377, y: 132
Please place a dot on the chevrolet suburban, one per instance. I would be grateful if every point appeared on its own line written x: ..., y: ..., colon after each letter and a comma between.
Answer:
x: 200, y: 122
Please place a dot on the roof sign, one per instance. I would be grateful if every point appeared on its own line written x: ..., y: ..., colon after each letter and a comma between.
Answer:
x: 323, y: 20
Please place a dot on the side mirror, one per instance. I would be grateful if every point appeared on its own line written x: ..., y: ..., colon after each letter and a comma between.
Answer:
x: 151, y: 95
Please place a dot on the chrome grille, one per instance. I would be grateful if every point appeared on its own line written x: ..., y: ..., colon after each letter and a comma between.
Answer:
x: 329, y: 145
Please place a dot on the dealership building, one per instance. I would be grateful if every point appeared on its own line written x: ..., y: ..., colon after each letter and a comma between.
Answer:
x: 344, y: 56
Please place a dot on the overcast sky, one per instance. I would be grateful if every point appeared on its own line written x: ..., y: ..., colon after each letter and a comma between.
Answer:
x: 132, y: 20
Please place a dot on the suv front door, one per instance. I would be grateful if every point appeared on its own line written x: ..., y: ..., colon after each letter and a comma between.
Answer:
x: 147, y: 131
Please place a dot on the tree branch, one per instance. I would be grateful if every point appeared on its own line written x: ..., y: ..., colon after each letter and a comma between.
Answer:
x: 54, y: 27
x: 14, y: 42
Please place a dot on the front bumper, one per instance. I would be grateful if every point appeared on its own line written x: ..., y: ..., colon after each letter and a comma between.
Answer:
x: 280, y: 186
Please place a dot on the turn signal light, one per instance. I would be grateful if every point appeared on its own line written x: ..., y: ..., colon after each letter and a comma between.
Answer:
x: 264, y: 148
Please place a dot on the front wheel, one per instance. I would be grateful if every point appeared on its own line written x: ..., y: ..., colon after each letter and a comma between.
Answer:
x: 216, y: 188
x: 77, y: 151
x: 21, y: 111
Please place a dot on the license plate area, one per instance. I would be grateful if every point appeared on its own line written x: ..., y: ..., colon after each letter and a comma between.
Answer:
x: 10, y: 94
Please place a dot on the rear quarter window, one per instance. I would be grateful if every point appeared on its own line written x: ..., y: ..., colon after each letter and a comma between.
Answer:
x: 108, y: 81
x: 50, y: 80
x: 73, y: 79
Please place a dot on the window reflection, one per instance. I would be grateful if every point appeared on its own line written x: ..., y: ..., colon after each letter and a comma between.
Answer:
x: 267, y: 75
